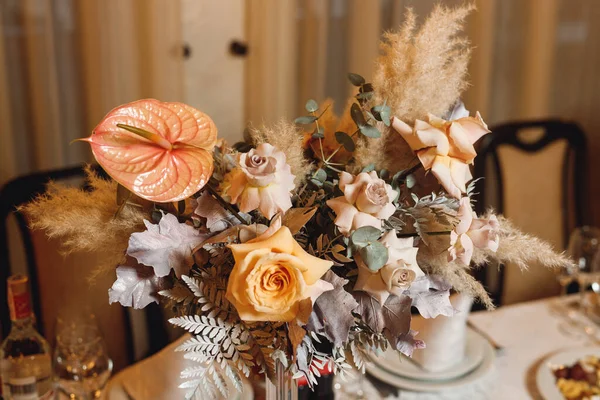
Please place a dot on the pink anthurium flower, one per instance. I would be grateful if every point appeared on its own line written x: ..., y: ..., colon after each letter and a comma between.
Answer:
x: 160, y: 151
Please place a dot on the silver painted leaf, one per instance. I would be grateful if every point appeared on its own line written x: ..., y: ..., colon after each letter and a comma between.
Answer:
x: 332, y: 312
x: 165, y: 246
x: 369, y: 309
x: 396, y: 315
x: 431, y: 296
x: 217, y: 218
x: 135, y: 287
x: 407, y: 343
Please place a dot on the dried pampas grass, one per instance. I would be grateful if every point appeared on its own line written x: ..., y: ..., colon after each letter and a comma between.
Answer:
x: 420, y: 71
x: 423, y: 71
x: 515, y: 247
x: 288, y: 138
x: 85, y: 220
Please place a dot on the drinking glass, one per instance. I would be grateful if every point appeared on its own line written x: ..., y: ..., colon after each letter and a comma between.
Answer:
x: 81, y: 363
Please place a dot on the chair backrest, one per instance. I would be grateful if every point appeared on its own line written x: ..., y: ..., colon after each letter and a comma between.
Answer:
x: 22, y: 190
x: 536, y: 174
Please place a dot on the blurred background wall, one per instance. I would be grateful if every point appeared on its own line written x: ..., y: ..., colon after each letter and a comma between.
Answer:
x: 65, y: 63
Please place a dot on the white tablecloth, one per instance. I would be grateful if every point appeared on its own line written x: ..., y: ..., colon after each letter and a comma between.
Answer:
x: 529, y: 332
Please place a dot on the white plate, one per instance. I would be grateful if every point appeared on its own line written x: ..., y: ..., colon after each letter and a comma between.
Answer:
x: 397, y: 364
x: 546, y: 382
x: 479, y: 372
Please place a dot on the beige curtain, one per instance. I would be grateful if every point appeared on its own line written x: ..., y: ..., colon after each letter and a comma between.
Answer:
x: 63, y: 65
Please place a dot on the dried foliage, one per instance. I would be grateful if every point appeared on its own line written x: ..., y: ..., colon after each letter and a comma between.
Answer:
x: 522, y: 249
x: 86, y: 220
x: 423, y: 71
x: 287, y: 137
x: 420, y: 71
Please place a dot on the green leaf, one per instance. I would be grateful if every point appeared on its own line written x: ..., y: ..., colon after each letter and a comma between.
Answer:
x: 316, y: 182
x: 368, y: 168
x: 306, y: 119
x: 374, y: 255
x: 384, y: 174
x: 356, y: 79
x: 410, y: 181
x: 364, y: 96
x: 367, y: 87
x: 365, y: 235
x: 382, y: 113
x: 319, y: 133
x: 345, y: 140
x: 357, y: 115
x: 370, y: 131
x: 311, y: 105
x: 320, y: 175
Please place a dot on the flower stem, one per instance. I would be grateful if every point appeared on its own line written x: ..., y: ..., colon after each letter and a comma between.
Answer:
x: 407, y: 235
x: 225, y: 204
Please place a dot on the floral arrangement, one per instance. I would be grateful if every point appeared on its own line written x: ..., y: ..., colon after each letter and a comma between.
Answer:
x: 311, y: 232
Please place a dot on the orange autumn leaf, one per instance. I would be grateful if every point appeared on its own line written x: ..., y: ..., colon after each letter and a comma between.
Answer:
x: 160, y: 151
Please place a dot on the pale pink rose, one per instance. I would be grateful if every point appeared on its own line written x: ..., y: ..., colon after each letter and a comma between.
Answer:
x: 445, y: 147
x: 366, y: 201
x: 263, y: 180
x: 396, y: 275
x: 472, y: 232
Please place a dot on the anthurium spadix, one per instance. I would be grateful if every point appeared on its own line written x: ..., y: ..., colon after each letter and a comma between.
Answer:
x: 160, y: 151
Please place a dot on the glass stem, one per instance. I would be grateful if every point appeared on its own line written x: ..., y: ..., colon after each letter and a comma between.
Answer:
x: 283, y: 387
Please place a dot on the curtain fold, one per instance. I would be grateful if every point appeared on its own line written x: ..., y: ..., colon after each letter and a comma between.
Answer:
x: 66, y: 63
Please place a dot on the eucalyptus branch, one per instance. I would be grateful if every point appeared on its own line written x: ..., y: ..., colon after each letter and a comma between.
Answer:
x: 408, y: 235
x: 225, y: 204
x: 409, y: 171
x: 339, y: 147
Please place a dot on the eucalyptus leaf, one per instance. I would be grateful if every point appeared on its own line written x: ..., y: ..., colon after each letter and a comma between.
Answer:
x: 311, y: 105
x: 364, y: 96
x: 318, y: 135
x: 370, y: 131
x: 374, y: 255
x: 305, y: 120
x: 357, y: 115
x: 345, y: 140
x: 368, y: 168
x: 382, y: 113
x: 365, y: 235
x: 320, y: 175
x: 366, y: 88
x: 316, y: 182
x: 410, y: 181
x: 356, y: 79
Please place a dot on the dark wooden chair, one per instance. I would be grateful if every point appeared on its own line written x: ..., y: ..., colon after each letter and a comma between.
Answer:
x: 23, y: 189
x: 571, y: 164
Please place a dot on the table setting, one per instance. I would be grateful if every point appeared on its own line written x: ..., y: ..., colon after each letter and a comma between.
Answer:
x: 328, y: 245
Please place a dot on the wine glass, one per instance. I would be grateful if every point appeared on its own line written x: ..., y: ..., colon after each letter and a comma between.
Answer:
x: 81, y: 363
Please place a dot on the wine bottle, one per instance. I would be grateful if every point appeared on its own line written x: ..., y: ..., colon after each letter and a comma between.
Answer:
x: 25, y: 357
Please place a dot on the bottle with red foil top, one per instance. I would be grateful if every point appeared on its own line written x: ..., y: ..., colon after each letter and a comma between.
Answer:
x: 25, y: 356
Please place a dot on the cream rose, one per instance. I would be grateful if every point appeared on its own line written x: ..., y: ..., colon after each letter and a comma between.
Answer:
x: 396, y: 275
x: 263, y: 180
x: 366, y: 201
x: 445, y: 147
x: 472, y: 232
x: 272, y: 277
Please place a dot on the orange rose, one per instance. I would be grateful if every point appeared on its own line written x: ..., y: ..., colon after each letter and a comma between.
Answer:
x: 271, y: 277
